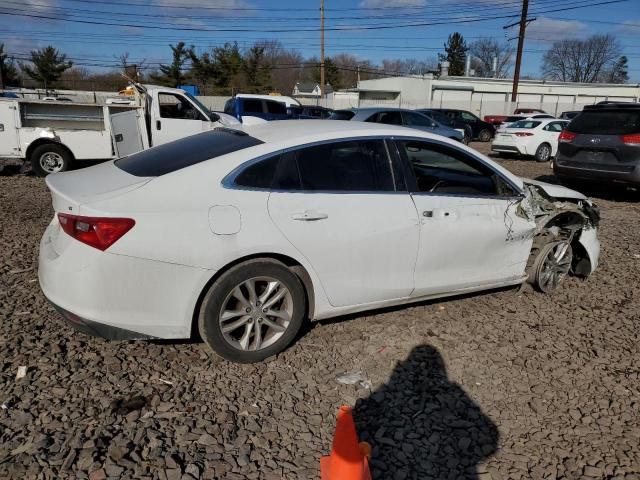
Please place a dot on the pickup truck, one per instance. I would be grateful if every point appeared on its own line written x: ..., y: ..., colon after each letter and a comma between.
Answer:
x: 52, y: 136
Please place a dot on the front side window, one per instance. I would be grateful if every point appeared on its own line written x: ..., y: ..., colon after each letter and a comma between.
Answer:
x: 347, y: 166
x: 177, y: 106
x: 276, y: 107
x: 442, y: 169
x: 417, y: 120
x: 389, y: 118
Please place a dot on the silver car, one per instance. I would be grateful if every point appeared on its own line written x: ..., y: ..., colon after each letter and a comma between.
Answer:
x: 398, y: 116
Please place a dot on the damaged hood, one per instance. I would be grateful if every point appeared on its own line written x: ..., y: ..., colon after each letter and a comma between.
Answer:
x: 555, y: 191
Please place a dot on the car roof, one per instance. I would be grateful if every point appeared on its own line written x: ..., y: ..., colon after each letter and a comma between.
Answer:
x: 301, y: 131
x: 612, y: 105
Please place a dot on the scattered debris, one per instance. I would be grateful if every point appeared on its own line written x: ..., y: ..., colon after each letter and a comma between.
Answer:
x: 165, y: 381
x: 354, y: 378
x: 22, y: 372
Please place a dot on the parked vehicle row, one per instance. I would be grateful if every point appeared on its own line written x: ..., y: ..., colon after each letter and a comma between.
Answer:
x: 244, y: 235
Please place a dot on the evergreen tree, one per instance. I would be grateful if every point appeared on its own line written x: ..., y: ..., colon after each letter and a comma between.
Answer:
x: 8, y: 71
x: 455, y: 53
x: 172, y: 75
x: 619, y: 71
x: 48, y: 66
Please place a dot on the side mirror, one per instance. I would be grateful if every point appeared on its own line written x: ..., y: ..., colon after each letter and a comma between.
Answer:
x: 214, y: 116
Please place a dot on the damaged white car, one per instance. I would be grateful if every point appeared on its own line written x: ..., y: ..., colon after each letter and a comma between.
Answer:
x: 241, y: 236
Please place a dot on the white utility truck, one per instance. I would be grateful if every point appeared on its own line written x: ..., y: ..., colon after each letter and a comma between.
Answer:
x: 54, y: 135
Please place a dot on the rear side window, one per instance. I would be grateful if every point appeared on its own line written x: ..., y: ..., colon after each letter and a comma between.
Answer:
x: 185, y: 152
x: 276, y: 107
x: 350, y: 166
x: 252, y: 106
x: 259, y: 174
x: 606, y: 122
x: 342, y: 115
x: 416, y: 119
x: 228, y: 107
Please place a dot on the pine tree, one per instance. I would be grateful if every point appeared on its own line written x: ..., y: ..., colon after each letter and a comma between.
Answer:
x: 172, y: 75
x: 8, y: 71
x: 48, y: 66
x: 455, y: 53
x: 619, y: 71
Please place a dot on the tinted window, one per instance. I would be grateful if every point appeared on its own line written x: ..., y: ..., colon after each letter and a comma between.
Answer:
x: 252, y: 106
x: 416, y: 120
x: 389, y: 118
x: 356, y: 166
x: 228, y: 107
x: 176, y: 106
x: 606, y: 122
x: 276, y: 107
x: 342, y: 115
x: 259, y: 174
x: 185, y: 152
x: 441, y: 169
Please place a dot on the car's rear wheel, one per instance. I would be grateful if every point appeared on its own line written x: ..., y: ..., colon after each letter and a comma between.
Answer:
x: 484, y: 135
x: 551, y: 266
x: 253, y: 311
x: 543, y: 153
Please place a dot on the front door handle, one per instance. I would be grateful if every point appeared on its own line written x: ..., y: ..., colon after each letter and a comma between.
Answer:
x: 158, y: 125
x: 309, y: 216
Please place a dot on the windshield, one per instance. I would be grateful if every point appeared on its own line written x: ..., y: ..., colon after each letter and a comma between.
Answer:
x: 185, y: 152
x: 341, y: 115
x: 606, y: 122
x: 524, y: 124
x: 207, y: 111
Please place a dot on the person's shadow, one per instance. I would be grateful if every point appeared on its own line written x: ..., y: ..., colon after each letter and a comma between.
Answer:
x: 423, y: 426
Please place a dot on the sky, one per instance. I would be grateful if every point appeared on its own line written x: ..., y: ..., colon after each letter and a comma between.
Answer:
x: 94, y: 33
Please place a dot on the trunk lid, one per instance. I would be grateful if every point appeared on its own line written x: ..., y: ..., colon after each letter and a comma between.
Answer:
x: 71, y: 190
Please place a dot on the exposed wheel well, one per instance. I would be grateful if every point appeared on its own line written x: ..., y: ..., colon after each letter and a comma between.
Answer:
x: 291, y: 263
x: 44, y: 141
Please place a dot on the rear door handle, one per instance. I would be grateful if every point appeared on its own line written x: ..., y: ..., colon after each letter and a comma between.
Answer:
x: 158, y: 125
x: 309, y: 216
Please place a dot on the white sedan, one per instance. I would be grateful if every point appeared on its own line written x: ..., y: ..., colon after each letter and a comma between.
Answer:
x: 244, y: 235
x: 537, y: 138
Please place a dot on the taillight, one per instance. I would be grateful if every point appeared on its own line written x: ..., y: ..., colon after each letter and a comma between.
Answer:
x: 523, y: 134
x: 566, y: 136
x: 97, y: 232
x: 631, y: 139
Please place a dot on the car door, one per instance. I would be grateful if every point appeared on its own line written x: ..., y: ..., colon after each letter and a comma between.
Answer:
x: 550, y: 133
x: 176, y: 117
x: 339, y: 206
x: 470, y: 232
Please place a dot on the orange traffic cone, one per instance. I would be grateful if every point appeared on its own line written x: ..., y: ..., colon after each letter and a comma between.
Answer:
x: 348, y: 459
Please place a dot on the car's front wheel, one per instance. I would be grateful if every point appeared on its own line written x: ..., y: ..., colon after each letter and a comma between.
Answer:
x: 253, y: 311
x: 551, y: 266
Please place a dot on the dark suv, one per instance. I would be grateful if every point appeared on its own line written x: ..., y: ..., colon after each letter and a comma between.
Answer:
x: 601, y: 144
x: 479, y: 129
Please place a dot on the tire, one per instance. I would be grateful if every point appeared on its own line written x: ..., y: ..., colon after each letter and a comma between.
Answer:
x: 50, y: 158
x: 254, y: 326
x: 484, y: 135
x: 543, y: 153
x: 548, y: 272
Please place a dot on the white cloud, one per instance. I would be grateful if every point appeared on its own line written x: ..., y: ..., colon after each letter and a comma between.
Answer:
x: 630, y: 26
x: 392, y: 3
x: 545, y: 28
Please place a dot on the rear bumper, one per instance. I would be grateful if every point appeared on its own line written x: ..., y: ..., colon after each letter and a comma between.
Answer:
x: 629, y: 175
x: 115, y: 296
x: 507, y: 149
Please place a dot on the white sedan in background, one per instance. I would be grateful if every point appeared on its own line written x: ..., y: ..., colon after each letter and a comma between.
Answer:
x: 244, y: 235
x: 530, y: 137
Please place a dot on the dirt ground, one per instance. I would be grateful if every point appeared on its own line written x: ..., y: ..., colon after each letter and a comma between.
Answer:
x: 501, y: 385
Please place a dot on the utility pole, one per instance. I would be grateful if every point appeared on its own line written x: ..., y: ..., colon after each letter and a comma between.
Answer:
x: 321, y: 48
x: 523, y: 27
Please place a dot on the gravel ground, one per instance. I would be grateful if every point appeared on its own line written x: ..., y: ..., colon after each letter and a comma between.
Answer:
x: 503, y: 385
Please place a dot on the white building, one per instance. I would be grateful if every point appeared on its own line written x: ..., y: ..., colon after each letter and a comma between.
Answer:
x: 482, y: 96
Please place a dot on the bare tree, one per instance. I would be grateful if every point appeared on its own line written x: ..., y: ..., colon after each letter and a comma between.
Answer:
x: 584, y: 61
x: 132, y: 70
x: 484, y: 51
